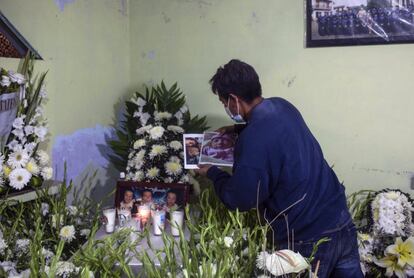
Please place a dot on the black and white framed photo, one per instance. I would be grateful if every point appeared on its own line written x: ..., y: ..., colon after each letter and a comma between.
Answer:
x: 359, y: 22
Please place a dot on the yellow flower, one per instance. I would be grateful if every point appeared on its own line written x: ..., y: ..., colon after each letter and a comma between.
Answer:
x: 6, y: 170
x: 404, y: 250
x: 397, y: 256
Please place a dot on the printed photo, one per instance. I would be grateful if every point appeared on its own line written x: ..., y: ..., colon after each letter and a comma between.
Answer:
x: 130, y: 195
x: 357, y: 22
x: 218, y: 148
x: 192, y: 150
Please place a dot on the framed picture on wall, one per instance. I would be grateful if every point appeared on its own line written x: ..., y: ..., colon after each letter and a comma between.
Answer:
x: 359, y: 22
x: 130, y: 195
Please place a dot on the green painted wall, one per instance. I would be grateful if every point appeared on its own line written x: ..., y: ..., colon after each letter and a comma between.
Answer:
x: 85, y: 47
x: 358, y: 101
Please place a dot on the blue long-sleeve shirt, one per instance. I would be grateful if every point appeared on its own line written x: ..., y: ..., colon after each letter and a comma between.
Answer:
x: 278, y: 162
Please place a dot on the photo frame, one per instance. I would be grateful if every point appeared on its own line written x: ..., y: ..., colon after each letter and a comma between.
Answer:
x: 159, y: 192
x: 192, y: 149
x: 359, y: 22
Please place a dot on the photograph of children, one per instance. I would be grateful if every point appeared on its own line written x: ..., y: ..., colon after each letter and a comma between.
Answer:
x: 130, y: 196
x: 127, y: 202
x: 171, y: 201
x: 218, y: 148
x: 192, y: 147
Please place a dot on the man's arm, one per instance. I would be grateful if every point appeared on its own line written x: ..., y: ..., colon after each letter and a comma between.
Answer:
x: 244, y: 190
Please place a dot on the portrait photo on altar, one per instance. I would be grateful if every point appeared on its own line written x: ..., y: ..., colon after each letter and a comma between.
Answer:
x: 130, y: 195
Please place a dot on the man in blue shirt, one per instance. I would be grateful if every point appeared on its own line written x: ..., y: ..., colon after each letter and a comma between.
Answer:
x: 279, y: 167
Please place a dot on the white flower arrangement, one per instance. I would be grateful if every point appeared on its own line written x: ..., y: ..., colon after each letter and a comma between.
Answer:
x: 386, y: 242
x: 149, y: 144
x: 21, y: 163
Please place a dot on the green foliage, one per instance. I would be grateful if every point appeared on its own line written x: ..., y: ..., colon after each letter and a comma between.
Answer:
x: 158, y: 98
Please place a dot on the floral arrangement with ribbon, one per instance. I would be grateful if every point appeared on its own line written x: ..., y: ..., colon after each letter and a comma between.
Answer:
x: 21, y: 163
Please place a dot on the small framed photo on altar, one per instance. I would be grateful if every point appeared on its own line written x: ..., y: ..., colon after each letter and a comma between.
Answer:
x: 192, y: 150
x: 130, y: 195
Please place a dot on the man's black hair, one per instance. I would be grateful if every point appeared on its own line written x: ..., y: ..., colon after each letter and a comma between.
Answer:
x: 238, y: 78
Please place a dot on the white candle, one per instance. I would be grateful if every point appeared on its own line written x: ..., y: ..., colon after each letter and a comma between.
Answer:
x: 176, y: 221
x: 158, y: 221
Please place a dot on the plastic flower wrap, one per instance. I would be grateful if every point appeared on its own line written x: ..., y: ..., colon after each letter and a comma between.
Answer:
x: 21, y: 164
x: 150, y: 141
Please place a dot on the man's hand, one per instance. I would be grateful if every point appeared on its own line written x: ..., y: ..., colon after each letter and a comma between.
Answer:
x: 203, y: 168
x: 226, y: 129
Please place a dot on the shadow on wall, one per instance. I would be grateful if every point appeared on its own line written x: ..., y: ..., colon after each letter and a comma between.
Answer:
x: 86, y: 155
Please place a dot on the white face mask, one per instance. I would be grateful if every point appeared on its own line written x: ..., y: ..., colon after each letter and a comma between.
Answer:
x: 236, y: 118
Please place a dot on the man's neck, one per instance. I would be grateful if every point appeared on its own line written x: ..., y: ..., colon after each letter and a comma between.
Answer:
x: 250, y: 106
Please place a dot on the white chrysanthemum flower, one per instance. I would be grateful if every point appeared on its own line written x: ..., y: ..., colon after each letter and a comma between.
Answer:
x: 19, y: 178
x: 29, y: 147
x: 391, y: 213
x: 32, y: 167
x: 156, y: 132
x: 72, y: 210
x: 85, y: 232
x: 19, y: 133
x: 159, y: 116
x: 228, y: 241
x: 22, y: 245
x: 138, y: 176
x: 16, y: 77
x: 43, y: 157
x: 175, y: 129
x: 139, y: 157
x: 5, y: 81
x: 153, y: 173
x: 29, y: 129
x: 66, y: 269
x: 173, y: 168
x: 143, y: 129
x: 392, y: 195
x: 139, y: 143
x: 175, y: 159
x: 176, y: 145
x: 157, y: 150
x: 18, y: 123
x: 41, y: 132
x: 67, y: 233
x: 47, y: 173
x: 13, y: 145
x: 18, y: 158
x: 44, y: 209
